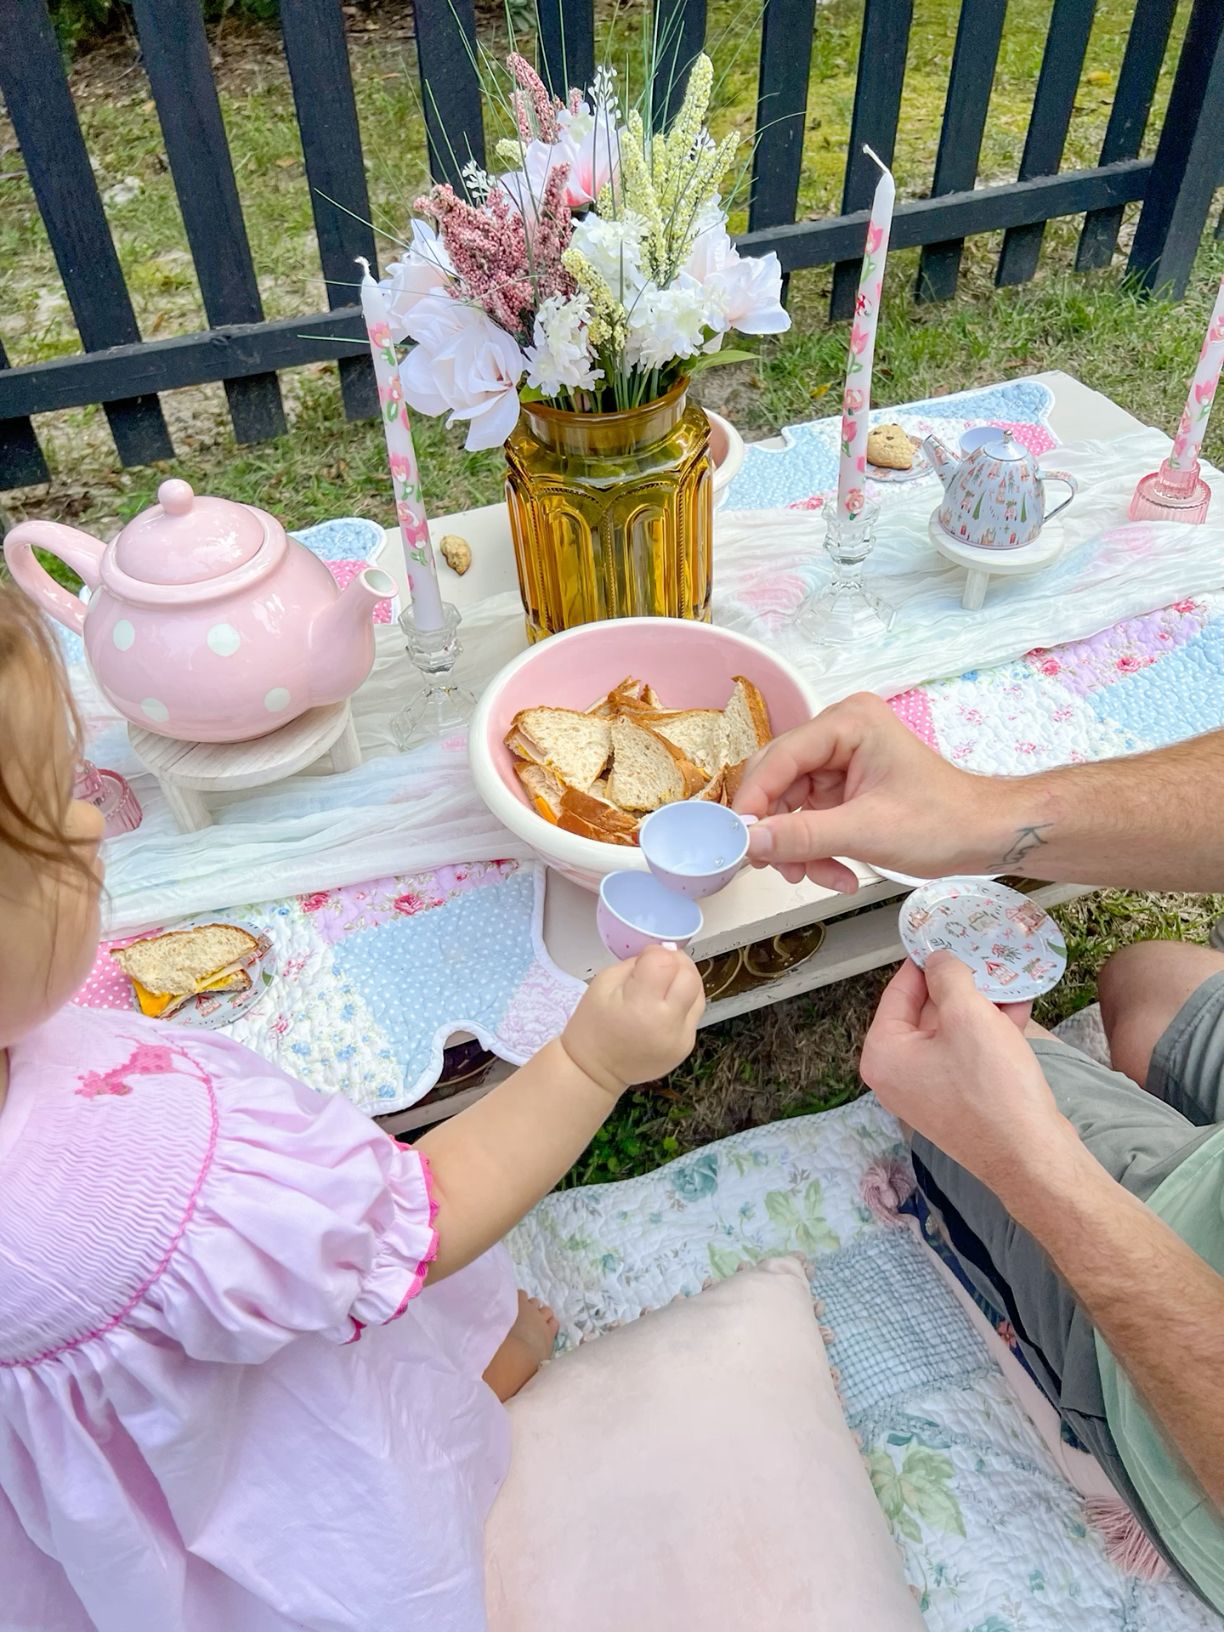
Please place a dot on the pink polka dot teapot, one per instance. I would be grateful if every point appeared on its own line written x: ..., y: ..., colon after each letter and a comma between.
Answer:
x: 204, y: 620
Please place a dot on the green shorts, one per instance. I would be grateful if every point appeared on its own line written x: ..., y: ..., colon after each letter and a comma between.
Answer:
x: 1139, y: 1136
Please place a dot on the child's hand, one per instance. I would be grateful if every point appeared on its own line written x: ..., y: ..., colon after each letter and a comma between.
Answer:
x: 637, y: 1021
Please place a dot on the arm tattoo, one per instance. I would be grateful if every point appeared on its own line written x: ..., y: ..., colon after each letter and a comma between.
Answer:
x: 1026, y: 840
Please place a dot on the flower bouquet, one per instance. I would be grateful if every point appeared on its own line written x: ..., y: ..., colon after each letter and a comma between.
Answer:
x: 561, y: 308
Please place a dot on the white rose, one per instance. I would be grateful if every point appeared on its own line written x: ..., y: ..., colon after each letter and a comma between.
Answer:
x: 463, y: 364
x: 424, y: 270
x: 560, y: 358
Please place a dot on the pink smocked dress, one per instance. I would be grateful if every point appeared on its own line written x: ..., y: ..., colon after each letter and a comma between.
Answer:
x: 226, y: 1405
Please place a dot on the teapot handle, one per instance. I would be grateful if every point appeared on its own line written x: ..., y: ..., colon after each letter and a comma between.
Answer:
x: 69, y: 545
x: 1059, y: 476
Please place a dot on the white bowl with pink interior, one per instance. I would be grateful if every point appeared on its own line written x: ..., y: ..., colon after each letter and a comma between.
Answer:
x: 727, y: 453
x: 690, y: 665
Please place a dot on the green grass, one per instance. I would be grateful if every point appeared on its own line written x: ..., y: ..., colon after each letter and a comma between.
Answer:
x: 796, y: 1057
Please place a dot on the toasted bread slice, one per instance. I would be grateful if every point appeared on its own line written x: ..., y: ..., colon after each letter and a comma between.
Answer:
x: 747, y: 720
x: 732, y: 777
x: 570, y: 823
x: 600, y: 813
x: 543, y: 789
x: 236, y: 981
x: 574, y: 746
x: 647, y: 770
x: 713, y: 790
x: 699, y: 733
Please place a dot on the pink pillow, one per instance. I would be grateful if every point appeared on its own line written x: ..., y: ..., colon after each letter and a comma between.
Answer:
x: 694, y: 1469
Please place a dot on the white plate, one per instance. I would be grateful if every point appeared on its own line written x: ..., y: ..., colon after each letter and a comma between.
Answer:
x: 920, y: 467
x: 209, y: 1010
x: 1013, y: 946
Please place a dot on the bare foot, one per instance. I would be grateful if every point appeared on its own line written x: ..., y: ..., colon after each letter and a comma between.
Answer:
x: 528, y: 1344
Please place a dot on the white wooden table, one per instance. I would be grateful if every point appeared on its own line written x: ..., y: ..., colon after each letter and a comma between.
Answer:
x: 758, y: 905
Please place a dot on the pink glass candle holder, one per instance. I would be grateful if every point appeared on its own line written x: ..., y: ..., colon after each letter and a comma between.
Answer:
x: 110, y: 793
x: 1171, y: 495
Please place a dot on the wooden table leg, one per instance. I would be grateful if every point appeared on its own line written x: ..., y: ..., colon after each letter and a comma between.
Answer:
x: 975, y: 590
x: 187, y: 807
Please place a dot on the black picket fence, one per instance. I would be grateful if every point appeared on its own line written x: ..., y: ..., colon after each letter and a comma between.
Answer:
x: 125, y: 373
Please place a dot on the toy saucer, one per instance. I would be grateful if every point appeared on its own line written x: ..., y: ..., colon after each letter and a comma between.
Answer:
x: 920, y: 467
x: 1014, y: 948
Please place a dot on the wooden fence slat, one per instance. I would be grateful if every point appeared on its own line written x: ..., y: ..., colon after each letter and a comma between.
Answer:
x: 680, y: 31
x: 978, y: 36
x: 450, y: 86
x: 1189, y: 159
x: 1141, y: 64
x: 40, y: 105
x: 932, y: 220
x: 317, y: 55
x: 21, y: 459
x: 566, y: 44
x: 236, y: 351
x: 877, y: 103
x: 1053, y: 105
x: 177, y: 60
x: 781, y: 112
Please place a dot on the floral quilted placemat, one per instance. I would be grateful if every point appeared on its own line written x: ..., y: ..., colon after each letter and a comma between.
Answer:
x: 372, y: 979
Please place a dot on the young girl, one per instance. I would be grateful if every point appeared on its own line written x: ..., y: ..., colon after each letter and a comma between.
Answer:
x: 250, y: 1348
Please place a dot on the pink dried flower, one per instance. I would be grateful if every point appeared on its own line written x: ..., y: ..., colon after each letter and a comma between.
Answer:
x: 541, y: 104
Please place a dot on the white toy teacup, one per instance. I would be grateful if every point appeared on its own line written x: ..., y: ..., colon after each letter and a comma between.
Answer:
x: 636, y: 910
x: 695, y: 847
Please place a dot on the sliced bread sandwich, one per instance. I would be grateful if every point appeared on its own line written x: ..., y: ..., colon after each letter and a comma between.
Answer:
x: 573, y: 746
x: 648, y: 771
x: 167, y: 970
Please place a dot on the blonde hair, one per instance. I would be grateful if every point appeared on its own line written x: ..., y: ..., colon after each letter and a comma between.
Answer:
x: 36, y: 710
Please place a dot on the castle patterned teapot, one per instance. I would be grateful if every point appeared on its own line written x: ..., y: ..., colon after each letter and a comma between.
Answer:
x: 994, y: 497
x: 206, y: 621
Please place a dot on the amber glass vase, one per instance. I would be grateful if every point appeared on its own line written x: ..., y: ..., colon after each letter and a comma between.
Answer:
x: 611, y: 514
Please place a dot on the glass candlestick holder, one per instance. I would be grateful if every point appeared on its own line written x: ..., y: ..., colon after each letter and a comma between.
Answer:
x: 442, y: 705
x: 1171, y: 495
x: 845, y: 610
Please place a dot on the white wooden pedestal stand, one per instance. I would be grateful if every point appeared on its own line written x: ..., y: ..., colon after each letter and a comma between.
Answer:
x: 186, y: 771
x: 984, y: 565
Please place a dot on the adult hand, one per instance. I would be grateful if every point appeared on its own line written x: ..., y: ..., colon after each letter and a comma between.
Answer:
x: 958, y: 1070
x: 856, y: 782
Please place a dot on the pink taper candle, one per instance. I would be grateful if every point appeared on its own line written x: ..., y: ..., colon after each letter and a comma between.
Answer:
x: 405, y: 474
x: 856, y: 403
x: 1193, y: 427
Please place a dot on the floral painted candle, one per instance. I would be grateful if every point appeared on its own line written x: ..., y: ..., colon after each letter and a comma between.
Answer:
x: 1193, y: 427
x: 856, y: 403
x: 419, y: 561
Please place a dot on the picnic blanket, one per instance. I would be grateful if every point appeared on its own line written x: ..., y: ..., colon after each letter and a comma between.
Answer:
x: 993, y: 1537
x: 408, y: 813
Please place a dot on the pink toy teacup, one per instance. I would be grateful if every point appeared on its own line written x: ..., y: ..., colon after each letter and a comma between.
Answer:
x: 695, y: 847
x: 636, y: 911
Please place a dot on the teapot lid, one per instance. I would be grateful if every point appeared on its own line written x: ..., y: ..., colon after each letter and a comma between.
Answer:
x: 1003, y: 446
x: 186, y: 539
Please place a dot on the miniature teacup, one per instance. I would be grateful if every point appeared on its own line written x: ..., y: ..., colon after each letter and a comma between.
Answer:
x: 695, y: 847
x: 636, y: 911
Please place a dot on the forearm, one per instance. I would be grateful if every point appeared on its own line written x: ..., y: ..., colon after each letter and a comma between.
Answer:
x: 1156, y: 1303
x: 1153, y: 821
x: 494, y: 1161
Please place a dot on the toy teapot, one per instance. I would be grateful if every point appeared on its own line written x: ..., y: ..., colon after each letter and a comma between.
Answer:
x: 206, y: 621
x: 994, y: 498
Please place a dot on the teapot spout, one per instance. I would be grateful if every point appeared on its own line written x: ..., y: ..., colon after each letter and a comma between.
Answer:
x: 342, y: 650
x: 945, y: 464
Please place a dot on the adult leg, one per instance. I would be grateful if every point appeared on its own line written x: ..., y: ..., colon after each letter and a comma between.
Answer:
x: 1143, y: 990
x: 1139, y: 1140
